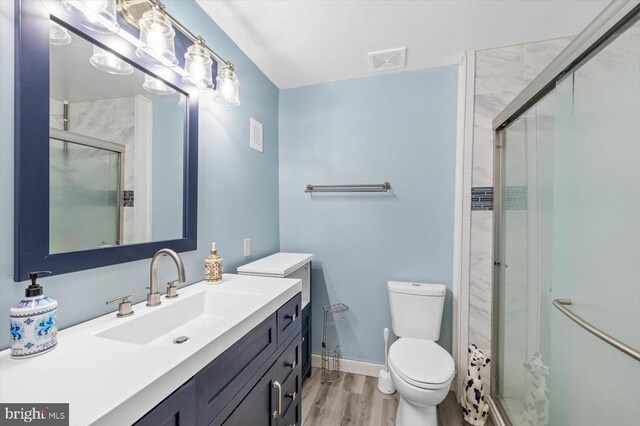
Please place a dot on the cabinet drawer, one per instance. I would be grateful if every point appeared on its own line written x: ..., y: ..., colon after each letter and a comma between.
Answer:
x: 178, y: 409
x: 292, y: 417
x: 289, y: 318
x: 225, y: 376
x: 291, y: 391
x: 289, y: 362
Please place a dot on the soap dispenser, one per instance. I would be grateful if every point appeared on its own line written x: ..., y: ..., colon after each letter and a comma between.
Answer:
x: 213, y: 267
x: 34, y: 321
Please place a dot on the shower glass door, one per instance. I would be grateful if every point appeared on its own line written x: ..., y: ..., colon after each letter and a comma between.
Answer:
x: 84, y: 198
x: 569, y: 228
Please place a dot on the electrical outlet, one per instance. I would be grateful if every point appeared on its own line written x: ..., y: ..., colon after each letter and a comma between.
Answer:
x: 247, y: 247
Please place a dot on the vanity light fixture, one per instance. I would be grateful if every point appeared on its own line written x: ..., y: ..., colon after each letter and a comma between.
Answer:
x: 227, y: 90
x: 197, y: 64
x: 58, y: 35
x: 227, y: 93
x: 157, y: 35
x: 108, y: 62
x: 157, y: 87
x: 97, y: 15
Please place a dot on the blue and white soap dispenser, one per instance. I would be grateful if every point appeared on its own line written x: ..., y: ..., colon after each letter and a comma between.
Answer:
x: 34, y: 322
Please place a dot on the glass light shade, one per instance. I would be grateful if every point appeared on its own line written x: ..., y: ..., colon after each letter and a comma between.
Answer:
x: 97, y: 15
x: 58, y: 35
x: 108, y: 62
x: 157, y: 87
x: 227, y: 90
x: 157, y: 38
x: 198, y: 66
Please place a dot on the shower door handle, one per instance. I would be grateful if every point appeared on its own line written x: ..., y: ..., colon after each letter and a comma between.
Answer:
x: 561, y: 305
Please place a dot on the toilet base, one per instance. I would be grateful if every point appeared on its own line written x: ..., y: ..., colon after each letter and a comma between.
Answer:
x: 412, y: 415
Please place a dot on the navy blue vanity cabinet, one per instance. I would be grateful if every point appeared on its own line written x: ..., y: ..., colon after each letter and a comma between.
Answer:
x: 275, y: 399
x: 178, y: 409
x: 247, y: 384
x: 290, y: 265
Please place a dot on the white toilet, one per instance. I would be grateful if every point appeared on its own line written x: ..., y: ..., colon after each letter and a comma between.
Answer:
x: 421, y: 370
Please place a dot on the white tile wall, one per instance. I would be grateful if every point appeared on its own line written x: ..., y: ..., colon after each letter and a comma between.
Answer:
x: 494, y: 78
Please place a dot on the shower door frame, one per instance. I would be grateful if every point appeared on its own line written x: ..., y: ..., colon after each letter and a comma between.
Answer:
x: 611, y: 20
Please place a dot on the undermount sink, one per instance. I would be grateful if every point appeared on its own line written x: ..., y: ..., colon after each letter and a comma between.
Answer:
x: 190, y: 317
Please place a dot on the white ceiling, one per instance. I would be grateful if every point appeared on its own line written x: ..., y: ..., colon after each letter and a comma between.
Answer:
x: 303, y: 42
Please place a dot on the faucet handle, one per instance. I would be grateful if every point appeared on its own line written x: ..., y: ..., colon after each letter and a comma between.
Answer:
x: 124, y: 307
x: 172, y: 289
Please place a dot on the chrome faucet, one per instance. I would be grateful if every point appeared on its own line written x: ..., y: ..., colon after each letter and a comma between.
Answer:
x: 153, y: 298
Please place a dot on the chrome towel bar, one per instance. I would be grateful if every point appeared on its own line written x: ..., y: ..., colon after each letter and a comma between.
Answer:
x: 384, y: 187
x: 562, y: 304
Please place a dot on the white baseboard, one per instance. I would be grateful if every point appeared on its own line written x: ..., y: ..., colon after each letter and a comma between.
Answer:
x: 351, y: 366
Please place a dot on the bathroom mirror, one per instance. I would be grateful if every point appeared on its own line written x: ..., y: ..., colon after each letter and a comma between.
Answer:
x: 116, y: 151
x: 106, y: 146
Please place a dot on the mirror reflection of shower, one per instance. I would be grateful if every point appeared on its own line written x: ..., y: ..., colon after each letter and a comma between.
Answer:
x: 86, y: 178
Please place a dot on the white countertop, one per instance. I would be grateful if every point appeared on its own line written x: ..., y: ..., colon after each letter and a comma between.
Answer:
x: 276, y: 265
x: 113, y: 382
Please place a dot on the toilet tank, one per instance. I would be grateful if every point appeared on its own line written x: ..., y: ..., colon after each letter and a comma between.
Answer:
x: 416, y: 309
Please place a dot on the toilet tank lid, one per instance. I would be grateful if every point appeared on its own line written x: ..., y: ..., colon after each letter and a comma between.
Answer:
x: 423, y: 289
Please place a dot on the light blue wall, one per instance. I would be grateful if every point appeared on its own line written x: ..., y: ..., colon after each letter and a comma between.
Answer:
x: 400, y: 128
x: 238, y: 186
x: 167, y: 177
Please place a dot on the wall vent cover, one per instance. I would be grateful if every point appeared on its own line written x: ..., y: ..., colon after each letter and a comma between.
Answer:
x: 387, y: 59
x: 255, y: 134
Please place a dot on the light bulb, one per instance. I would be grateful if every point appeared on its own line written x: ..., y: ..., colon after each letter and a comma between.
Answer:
x: 227, y: 91
x: 197, y: 63
x: 157, y: 38
x: 156, y: 41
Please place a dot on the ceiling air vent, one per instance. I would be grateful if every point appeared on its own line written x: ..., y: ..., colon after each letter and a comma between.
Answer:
x: 387, y: 59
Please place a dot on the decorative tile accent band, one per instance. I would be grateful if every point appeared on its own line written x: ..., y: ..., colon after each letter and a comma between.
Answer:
x: 515, y: 198
x: 482, y: 198
x: 127, y: 198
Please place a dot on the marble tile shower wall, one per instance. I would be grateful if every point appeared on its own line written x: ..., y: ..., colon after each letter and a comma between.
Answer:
x: 494, y: 78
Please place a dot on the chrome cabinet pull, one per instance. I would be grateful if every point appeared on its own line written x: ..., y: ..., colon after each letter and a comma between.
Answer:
x: 276, y: 385
x: 561, y: 305
x: 292, y: 395
x: 292, y: 317
x: 291, y: 364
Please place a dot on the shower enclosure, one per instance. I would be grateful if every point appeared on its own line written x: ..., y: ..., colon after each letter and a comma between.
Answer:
x: 567, y: 240
x: 85, y: 177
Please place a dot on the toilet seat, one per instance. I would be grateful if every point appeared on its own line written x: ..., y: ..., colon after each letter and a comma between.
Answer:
x: 421, y: 363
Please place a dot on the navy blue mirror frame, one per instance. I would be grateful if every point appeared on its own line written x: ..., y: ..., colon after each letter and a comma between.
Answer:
x: 31, y: 203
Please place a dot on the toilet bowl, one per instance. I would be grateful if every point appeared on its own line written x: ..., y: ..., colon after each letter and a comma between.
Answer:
x: 422, y: 373
x: 420, y: 369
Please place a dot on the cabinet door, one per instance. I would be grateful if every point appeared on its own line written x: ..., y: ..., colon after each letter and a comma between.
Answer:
x: 306, y: 341
x: 257, y: 408
x: 306, y: 353
x: 292, y: 417
x: 179, y: 409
